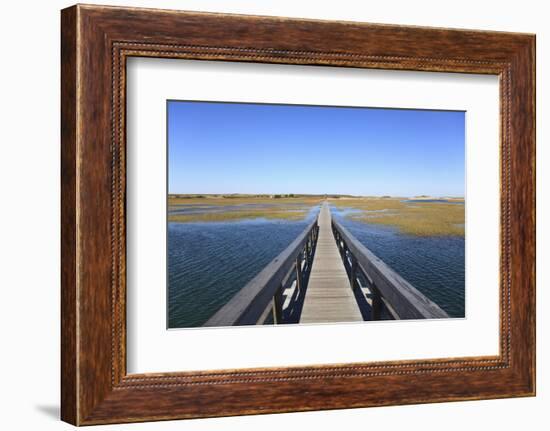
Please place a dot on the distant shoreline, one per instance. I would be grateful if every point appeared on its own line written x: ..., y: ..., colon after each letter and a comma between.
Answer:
x: 305, y: 195
x: 419, y: 215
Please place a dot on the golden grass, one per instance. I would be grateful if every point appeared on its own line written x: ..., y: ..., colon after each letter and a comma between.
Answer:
x: 238, y: 215
x: 240, y: 200
x: 413, y: 218
x: 283, y: 208
x: 370, y: 204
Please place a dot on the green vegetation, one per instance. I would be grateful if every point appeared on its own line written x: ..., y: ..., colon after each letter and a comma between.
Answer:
x: 413, y: 218
x: 283, y: 207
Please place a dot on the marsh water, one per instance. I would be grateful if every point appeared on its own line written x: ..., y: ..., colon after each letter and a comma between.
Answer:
x: 435, y: 265
x: 208, y: 262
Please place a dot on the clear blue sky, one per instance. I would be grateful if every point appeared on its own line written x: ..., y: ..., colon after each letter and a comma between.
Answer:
x: 261, y: 148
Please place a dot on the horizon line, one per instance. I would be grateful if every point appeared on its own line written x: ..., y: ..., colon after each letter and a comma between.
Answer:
x: 318, y: 194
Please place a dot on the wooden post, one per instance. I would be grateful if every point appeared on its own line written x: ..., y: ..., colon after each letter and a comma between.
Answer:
x: 344, y: 255
x: 311, y: 241
x: 376, y: 303
x: 278, y: 306
x: 353, y: 273
x: 299, y: 272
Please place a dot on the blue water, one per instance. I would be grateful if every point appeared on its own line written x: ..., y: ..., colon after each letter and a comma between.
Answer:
x: 209, y: 262
x: 434, y: 265
x: 201, y: 209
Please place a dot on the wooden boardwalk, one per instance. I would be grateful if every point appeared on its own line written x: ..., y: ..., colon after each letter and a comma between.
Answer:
x: 308, y: 283
x: 329, y: 297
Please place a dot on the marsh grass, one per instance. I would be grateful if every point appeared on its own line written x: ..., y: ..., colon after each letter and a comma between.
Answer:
x: 282, y: 209
x: 241, y: 200
x: 238, y: 215
x: 413, y: 218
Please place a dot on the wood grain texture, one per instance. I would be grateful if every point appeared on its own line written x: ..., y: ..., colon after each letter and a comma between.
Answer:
x: 96, y: 41
x: 69, y: 396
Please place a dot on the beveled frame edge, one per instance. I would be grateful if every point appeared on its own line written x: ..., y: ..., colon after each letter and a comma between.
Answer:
x: 96, y: 41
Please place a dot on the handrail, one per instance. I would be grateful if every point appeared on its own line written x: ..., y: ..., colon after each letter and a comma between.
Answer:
x: 404, y: 301
x: 251, y: 305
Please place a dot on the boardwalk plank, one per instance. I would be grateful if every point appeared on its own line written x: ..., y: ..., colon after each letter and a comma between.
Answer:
x: 329, y: 297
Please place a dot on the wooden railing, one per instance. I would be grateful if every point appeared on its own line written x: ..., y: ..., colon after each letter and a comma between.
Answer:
x: 381, y: 292
x: 276, y: 294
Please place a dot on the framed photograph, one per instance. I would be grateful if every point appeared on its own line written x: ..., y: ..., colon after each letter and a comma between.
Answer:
x: 266, y: 215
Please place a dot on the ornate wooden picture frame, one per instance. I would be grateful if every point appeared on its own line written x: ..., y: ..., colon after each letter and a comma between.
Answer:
x: 96, y: 41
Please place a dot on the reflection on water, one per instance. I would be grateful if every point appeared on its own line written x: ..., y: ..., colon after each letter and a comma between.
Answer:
x: 208, y: 262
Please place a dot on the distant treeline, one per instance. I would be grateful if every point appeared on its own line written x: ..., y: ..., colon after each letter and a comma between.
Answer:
x: 272, y: 196
x: 296, y: 195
